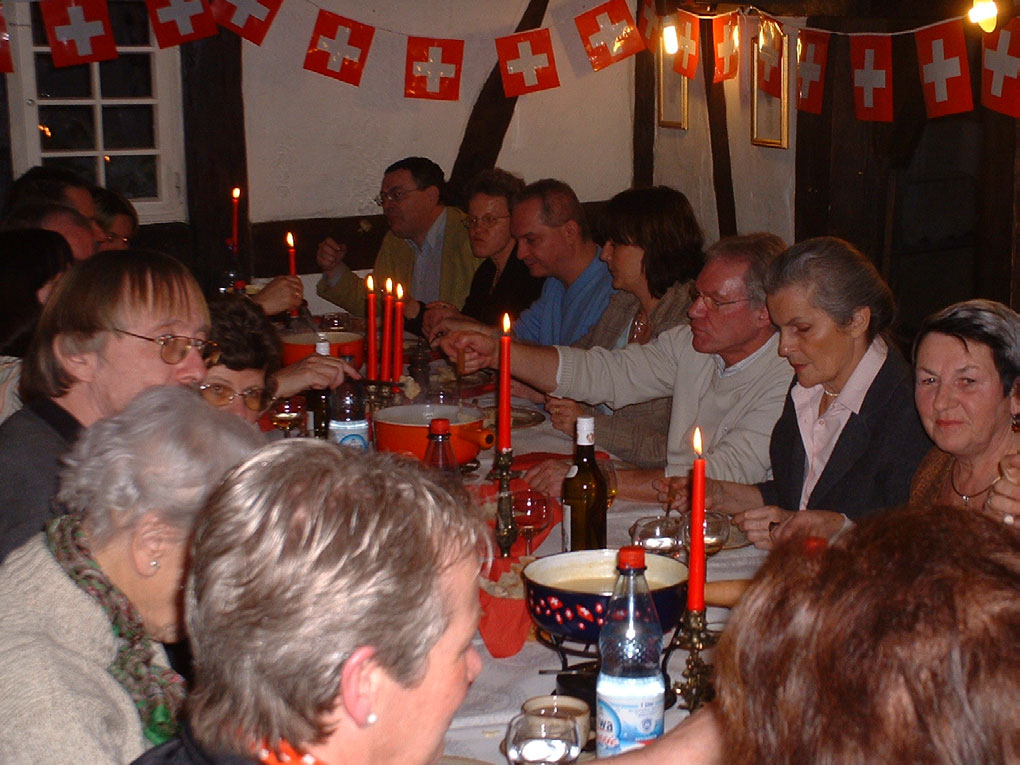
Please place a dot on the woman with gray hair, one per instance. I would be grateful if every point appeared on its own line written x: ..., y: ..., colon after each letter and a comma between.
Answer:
x: 332, y: 606
x: 86, y: 602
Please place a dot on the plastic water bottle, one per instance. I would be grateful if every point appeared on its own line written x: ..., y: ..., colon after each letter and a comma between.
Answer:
x: 439, y: 453
x: 630, y: 688
x: 348, y: 425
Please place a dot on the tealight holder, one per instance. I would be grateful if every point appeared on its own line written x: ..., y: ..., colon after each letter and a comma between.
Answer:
x: 693, y: 635
x: 506, y: 526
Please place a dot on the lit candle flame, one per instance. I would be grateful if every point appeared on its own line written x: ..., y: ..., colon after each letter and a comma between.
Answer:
x: 236, y: 193
x: 290, y: 239
x: 506, y: 324
x: 400, y: 291
x: 370, y: 283
x: 389, y: 286
x: 669, y: 39
x: 984, y: 14
x: 697, y: 441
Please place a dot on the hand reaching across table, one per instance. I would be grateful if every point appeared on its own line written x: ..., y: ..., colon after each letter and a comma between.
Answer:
x: 548, y: 476
x: 480, y: 351
x: 435, y: 313
x: 330, y: 256
x: 313, y: 371
x: 563, y: 413
x: 281, y: 294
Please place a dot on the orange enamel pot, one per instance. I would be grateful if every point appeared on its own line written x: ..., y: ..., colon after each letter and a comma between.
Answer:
x: 298, y: 345
x: 405, y: 429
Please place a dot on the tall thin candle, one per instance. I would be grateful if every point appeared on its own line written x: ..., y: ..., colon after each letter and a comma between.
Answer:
x: 696, y: 564
x: 398, y: 334
x: 291, y: 263
x: 236, y: 196
x: 373, y: 328
x: 387, y: 331
x: 503, y: 422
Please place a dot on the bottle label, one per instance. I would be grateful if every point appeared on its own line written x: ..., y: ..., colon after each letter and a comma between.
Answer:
x: 571, y: 472
x: 566, y: 537
x: 630, y: 712
x: 353, y: 433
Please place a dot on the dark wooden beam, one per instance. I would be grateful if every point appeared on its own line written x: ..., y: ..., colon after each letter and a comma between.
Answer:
x: 722, y: 174
x: 644, y: 119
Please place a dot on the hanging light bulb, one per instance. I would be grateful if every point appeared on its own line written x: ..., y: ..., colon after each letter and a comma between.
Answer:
x: 984, y: 14
x: 669, y: 40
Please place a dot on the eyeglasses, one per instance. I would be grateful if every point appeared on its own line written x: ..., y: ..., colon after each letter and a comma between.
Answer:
x: 486, y: 221
x: 710, y: 302
x: 393, y: 196
x: 173, y: 348
x: 111, y: 238
x: 217, y: 394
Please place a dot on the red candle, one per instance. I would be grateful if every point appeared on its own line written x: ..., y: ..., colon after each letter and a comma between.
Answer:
x: 696, y: 564
x: 503, y: 414
x: 233, y: 229
x: 387, y: 331
x: 373, y: 328
x: 291, y: 254
x: 398, y: 334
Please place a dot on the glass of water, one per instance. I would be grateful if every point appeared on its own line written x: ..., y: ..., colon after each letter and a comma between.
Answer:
x: 542, y: 739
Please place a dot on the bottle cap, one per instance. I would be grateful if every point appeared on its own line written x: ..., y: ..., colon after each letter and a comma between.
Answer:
x: 631, y: 557
x: 322, y: 345
x: 439, y: 427
x: 586, y: 431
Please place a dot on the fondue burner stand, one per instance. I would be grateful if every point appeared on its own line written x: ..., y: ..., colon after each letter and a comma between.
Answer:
x: 693, y: 635
x: 506, y: 526
x: 379, y: 395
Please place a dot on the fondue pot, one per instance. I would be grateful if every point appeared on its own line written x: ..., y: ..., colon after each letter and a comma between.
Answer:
x: 298, y: 345
x: 405, y: 429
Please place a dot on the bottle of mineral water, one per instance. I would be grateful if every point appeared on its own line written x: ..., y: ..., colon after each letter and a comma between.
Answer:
x: 630, y: 688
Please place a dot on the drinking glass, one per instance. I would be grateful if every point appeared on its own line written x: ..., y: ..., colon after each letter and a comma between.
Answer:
x: 532, y: 514
x: 335, y: 321
x: 659, y: 535
x: 608, y: 470
x: 717, y: 532
x: 288, y: 415
x: 542, y: 739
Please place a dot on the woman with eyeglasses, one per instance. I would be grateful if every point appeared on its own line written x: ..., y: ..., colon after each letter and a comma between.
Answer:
x: 116, y: 216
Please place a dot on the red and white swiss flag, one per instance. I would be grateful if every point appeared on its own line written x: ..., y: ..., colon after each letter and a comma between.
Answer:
x: 945, y: 74
x: 724, y: 40
x: 871, y: 72
x: 526, y: 62
x: 812, y: 56
x: 339, y: 47
x: 6, y: 60
x: 688, y: 44
x: 250, y: 19
x: 179, y: 21
x: 78, y: 30
x: 1000, y: 69
x: 433, y: 68
x: 608, y: 34
x: 770, y: 57
x: 647, y: 23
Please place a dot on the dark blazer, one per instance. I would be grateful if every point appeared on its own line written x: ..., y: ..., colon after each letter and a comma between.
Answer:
x: 875, y: 456
x: 515, y: 291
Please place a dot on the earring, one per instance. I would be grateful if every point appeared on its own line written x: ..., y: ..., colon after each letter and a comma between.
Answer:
x: 372, y: 718
x: 154, y: 563
x: 1016, y: 423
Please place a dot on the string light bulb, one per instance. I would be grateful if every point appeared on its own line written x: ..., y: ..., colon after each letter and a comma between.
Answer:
x: 669, y: 41
x: 984, y: 14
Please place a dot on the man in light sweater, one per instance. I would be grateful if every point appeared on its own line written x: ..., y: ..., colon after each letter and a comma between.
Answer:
x: 723, y: 372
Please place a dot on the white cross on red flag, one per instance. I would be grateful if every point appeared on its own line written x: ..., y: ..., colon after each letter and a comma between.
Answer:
x: 339, y: 47
x: 688, y: 42
x: 871, y: 73
x: 179, y: 21
x: 945, y: 75
x: 724, y: 41
x: 78, y: 30
x: 249, y: 19
x: 526, y: 62
x: 1000, y: 69
x: 770, y: 57
x: 6, y: 60
x: 647, y: 23
x: 433, y: 68
x: 812, y: 56
x: 608, y: 34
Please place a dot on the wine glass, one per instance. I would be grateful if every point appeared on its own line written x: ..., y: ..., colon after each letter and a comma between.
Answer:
x: 608, y: 470
x: 531, y: 514
x: 542, y: 739
x: 659, y: 535
x: 717, y: 532
x: 286, y: 413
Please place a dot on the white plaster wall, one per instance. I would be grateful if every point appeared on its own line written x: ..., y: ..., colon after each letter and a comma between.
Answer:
x: 317, y: 147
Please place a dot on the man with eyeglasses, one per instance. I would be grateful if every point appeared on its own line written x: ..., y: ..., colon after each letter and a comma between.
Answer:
x: 116, y: 324
x: 426, y: 249
x: 723, y: 372
x: 48, y: 184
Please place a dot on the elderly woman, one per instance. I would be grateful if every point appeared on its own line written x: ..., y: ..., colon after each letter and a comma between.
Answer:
x: 849, y: 439
x: 332, y: 606
x: 966, y: 360
x: 86, y: 602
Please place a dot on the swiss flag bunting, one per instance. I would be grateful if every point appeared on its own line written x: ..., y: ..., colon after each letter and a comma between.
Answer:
x: 1000, y: 69
x: 250, y: 19
x: 647, y: 23
x: 812, y: 56
x: 180, y: 21
x: 770, y: 57
x: 433, y: 68
x: 78, y: 30
x: 608, y: 34
x: 339, y: 47
x: 871, y: 70
x: 724, y: 40
x: 6, y: 60
x: 945, y: 74
x: 526, y: 62
x: 688, y: 40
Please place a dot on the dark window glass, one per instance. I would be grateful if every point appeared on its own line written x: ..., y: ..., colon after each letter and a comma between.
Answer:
x: 129, y: 76
x: 130, y: 22
x: 128, y: 127
x: 84, y: 166
x: 63, y: 128
x: 65, y: 82
x: 134, y: 177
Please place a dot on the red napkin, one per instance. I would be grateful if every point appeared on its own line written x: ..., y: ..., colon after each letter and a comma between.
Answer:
x: 529, y: 460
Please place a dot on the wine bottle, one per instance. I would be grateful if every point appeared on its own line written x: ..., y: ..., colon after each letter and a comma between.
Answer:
x: 317, y: 399
x: 584, y: 494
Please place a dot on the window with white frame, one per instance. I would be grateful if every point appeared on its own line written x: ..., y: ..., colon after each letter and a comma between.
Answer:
x: 117, y: 123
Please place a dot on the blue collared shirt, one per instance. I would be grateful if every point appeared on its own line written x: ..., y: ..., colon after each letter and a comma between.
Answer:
x: 428, y: 262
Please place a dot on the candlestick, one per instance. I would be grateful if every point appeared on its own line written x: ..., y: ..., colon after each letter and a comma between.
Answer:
x: 398, y: 334
x: 503, y: 422
x: 236, y: 196
x: 696, y: 560
x: 506, y: 526
x: 373, y: 327
x: 387, y: 330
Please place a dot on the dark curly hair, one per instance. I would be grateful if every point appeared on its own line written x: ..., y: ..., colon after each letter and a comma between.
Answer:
x: 246, y: 337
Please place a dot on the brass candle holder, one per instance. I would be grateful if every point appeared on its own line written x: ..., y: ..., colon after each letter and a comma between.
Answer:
x: 506, y: 526
x: 693, y: 635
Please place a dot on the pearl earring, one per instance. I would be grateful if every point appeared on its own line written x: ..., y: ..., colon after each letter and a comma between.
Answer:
x: 154, y: 564
x: 372, y: 718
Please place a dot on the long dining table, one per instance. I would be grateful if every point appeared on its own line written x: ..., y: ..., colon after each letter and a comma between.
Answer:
x: 479, y: 726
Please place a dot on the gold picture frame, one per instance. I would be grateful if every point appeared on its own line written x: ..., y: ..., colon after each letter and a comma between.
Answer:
x: 770, y: 116
x: 672, y: 92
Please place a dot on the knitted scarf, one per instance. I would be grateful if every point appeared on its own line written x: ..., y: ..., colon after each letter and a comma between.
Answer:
x: 158, y: 692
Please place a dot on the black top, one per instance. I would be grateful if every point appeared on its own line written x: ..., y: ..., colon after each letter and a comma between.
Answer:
x: 516, y: 290
x: 184, y: 750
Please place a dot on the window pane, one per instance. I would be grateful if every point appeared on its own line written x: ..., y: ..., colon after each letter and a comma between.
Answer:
x: 130, y: 21
x: 83, y: 166
x: 134, y: 177
x: 128, y: 127
x: 63, y: 128
x: 129, y: 76
x: 66, y: 82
